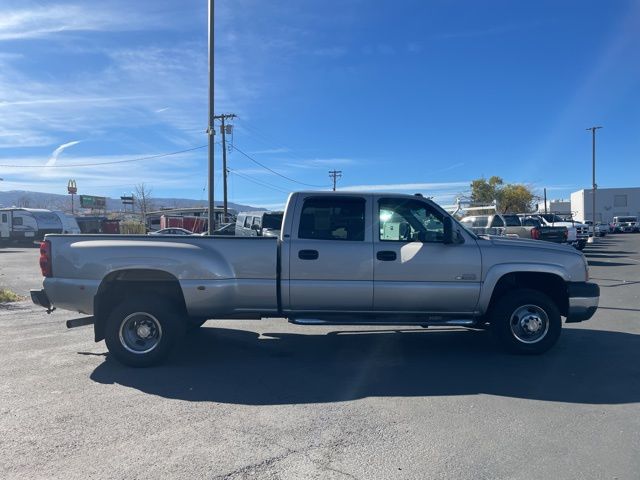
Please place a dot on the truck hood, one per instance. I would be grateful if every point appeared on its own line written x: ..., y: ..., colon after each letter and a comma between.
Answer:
x: 537, y: 245
x: 498, y: 251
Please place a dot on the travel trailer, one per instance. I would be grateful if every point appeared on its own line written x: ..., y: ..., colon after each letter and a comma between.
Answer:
x: 26, y: 225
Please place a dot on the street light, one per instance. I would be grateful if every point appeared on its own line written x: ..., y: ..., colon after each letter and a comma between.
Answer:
x: 594, y: 185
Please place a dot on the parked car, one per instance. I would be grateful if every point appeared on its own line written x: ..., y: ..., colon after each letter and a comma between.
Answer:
x: 514, y: 226
x: 342, y: 259
x: 626, y: 224
x: 601, y: 228
x: 225, y: 229
x: 259, y: 224
x: 171, y: 231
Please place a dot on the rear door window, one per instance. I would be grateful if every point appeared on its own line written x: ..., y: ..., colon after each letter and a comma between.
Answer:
x: 511, y: 220
x: 336, y: 218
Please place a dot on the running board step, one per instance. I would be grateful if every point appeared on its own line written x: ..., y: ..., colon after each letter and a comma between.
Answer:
x: 425, y: 323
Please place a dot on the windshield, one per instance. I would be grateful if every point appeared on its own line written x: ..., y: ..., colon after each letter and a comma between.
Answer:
x: 551, y: 217
x: 627, y: 219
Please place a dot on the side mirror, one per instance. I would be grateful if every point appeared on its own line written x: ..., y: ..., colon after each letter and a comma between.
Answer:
x: 449, y: 235
x: 255, y: 227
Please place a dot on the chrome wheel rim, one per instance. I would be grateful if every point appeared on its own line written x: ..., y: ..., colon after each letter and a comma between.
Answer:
x: 529, y: 323
x: 140, y: 333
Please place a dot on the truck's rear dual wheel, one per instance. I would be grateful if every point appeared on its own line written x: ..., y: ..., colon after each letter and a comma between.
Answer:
x: 141, y: 332
x: 526, y: 321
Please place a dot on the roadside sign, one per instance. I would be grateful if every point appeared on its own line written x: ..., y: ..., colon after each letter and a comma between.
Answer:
x: 89, y: 201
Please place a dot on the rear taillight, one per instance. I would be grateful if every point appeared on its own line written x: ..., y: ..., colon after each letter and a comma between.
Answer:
x: 45, y: 259
x: 535, y: 233
x: 565, y: 234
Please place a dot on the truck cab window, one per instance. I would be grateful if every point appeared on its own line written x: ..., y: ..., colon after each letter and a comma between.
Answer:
x: 247, y: 222
x: 497, y: 221
x: 409, y: 221
x: 337, y: 218
x: 4, y: 218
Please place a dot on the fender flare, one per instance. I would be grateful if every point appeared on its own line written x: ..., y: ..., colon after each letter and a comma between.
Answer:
x: 495, y: 273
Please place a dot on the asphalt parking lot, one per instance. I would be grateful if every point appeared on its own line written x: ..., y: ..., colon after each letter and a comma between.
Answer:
x: 266, y: 399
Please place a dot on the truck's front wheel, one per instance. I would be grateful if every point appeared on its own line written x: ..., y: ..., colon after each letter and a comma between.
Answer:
x: 526, y: 321
x: 141, y: 332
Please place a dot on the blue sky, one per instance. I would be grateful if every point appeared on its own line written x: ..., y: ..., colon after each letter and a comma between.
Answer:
x: 399, y: 95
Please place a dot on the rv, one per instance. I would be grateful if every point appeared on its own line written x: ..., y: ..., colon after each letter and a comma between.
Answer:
x: 69, y: 223
x: 26, y: 225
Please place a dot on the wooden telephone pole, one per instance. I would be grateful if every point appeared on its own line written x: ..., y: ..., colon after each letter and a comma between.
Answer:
x: 335, y: 175
x: 223, y: 131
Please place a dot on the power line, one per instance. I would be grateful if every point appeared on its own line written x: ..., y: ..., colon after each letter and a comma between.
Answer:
x: 139, y: 159
x: 258, y: 182
x: 273, y: 171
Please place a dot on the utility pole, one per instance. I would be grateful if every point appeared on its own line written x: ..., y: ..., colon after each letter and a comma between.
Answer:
x: 335, y: 175
x: 593, y: 181
x: 210, y: 128
x: 545, y: 200
x: 223, y: 131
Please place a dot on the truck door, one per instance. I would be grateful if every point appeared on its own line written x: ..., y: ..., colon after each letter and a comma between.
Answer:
x: 414, y: 271
x: 330, y: 254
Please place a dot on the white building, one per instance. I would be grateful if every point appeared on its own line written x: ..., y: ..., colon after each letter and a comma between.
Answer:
x: 610, y: 202
x: 561, y: 207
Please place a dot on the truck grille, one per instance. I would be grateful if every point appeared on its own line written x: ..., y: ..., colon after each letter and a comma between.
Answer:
x: 582, y: 232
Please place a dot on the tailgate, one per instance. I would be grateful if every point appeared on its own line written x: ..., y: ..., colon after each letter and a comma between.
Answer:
x: 553, y: 234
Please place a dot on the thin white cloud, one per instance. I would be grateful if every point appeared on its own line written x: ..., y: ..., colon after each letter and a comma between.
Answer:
x: 402, y: 187
x: 451, y: 167
x: 47, y: 20
x: 58, y: 151
x: 316, y: 163
x: 270, y: 151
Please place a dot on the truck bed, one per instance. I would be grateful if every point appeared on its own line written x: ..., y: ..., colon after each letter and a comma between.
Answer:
x: 239, y: 275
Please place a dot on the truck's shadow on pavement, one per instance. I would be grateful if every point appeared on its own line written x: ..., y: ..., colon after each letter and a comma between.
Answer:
x: 236, y: 366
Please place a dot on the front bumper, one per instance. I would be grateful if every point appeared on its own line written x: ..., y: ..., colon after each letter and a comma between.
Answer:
x: 583, y: 301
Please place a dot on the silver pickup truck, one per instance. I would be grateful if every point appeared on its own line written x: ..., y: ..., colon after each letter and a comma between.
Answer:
x: 341, y: 259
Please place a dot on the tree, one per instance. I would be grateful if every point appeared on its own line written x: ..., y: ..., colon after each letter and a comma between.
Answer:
x: 515, y: 198
x: 143, y: 199
x: 509, y: 198
x: 485, y: 192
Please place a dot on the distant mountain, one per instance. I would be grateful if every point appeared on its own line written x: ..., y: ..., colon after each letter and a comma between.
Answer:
x: 54, y: 201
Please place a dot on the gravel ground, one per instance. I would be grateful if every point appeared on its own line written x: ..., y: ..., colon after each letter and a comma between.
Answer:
x: 266, y: 399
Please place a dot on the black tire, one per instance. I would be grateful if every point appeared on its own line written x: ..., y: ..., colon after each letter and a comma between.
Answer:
x: 525, y: 321
x: 160, y: 320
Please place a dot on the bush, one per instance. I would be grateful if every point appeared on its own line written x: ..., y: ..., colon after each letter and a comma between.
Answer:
x: 131, y: 228
x: 7, y: 296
